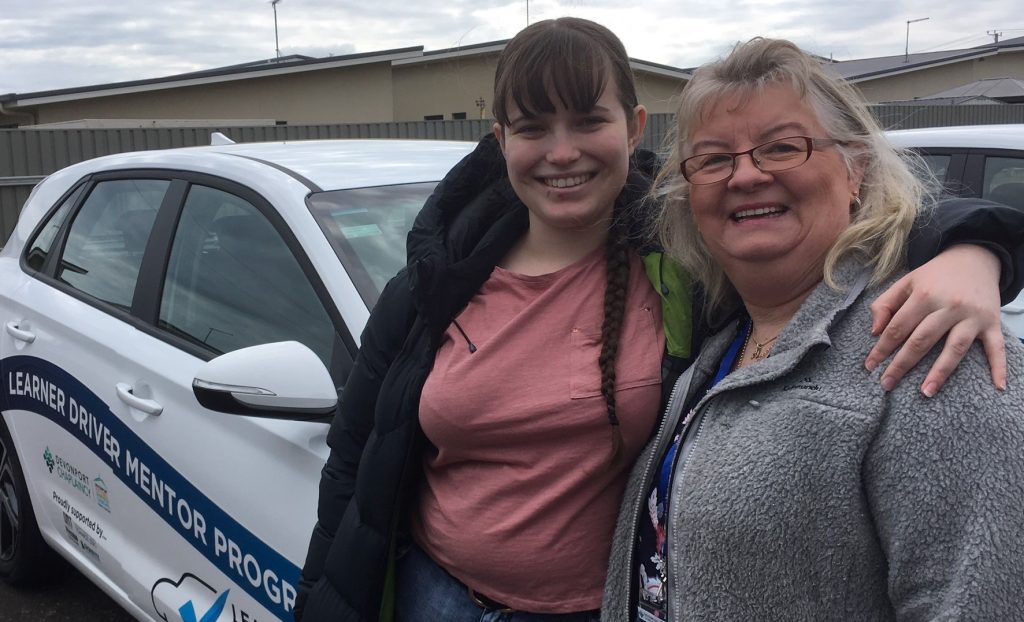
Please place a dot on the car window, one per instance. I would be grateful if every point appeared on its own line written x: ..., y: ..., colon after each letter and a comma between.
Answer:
x: 232, y: 281
x: 938, y: 165
x: 1004, y: 180
x: 108, y: 236
x: 367, y: 228
x: 41, y: 246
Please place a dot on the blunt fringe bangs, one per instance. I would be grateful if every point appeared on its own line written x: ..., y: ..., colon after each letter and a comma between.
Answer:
x: 573, y: 57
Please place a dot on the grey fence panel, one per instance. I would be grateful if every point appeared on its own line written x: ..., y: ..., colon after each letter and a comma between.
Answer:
x: 894, y: 116
x: 11, y: 200
x: 658, y: 126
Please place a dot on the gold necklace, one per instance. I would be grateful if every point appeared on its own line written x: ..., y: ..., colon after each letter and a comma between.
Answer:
x: 760, y: 353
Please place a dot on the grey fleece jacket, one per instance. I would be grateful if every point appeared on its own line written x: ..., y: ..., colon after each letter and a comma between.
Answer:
x: 809, y: 493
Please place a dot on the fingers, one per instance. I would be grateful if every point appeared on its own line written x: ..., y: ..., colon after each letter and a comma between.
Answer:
x: 958, y: 342
x: 902, y: 312
x: 924, y: 333
x: 955, y: 295
x: 960, y: 331
x: 995, y: 350
x: 886, y: 305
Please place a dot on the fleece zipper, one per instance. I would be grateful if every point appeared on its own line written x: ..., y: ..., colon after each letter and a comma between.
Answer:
x: 673, y: 410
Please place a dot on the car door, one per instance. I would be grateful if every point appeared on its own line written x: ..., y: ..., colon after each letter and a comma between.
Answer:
x: 69, y: 339
x: 187, y: 511
x: 235, y: 277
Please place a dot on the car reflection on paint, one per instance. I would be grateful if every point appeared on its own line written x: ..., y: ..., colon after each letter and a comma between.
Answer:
x: 177, y: 327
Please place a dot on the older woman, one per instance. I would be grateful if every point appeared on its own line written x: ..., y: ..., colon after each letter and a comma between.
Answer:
x: 784, y: 482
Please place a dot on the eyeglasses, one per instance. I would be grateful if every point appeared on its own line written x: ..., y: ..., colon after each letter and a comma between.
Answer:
x: 777, y: 155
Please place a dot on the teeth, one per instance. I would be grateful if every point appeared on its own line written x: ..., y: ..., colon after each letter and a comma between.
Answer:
x: 761, y: 211
x: 566, y: 182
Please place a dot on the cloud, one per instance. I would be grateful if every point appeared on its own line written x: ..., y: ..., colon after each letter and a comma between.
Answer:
x: 50, y: 44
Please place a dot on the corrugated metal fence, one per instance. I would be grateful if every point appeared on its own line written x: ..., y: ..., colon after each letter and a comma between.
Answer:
x: 26, y: 156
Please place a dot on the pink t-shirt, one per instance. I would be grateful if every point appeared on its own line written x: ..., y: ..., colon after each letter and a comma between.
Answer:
x: 518, y: 500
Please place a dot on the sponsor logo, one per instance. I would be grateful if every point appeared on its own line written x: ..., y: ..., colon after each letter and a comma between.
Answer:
x: 80, y: 537
x: 67, y: 472
x: 69, y: 527
x: 102, y: 493
x: 190, y: 599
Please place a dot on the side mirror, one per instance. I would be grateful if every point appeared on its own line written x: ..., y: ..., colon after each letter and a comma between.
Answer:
x: 283, y: 380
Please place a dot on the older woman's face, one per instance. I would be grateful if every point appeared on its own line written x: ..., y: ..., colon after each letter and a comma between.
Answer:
x: 790, y: 218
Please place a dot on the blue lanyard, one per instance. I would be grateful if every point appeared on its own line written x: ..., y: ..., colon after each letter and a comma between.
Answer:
x: 724, y: 368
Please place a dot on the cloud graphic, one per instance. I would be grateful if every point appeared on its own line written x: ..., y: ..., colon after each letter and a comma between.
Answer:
x: 189, y: 599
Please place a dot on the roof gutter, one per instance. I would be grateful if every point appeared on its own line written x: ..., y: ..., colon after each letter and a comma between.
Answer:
x: 7, y: 113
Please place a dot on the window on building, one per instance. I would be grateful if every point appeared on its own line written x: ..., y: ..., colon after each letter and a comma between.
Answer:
x: 458, y: 115
x: 433, y: 117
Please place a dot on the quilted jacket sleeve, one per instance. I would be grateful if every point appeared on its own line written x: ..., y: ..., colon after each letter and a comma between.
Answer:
x: 381, y: 341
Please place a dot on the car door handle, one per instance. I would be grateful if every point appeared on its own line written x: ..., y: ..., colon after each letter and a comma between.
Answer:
x: 21, y: 335
x: 150, y: 407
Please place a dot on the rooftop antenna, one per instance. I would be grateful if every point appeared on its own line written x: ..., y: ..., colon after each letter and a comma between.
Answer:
x: 906, y: 52
x: 277, y: 45
x: 994, y: 33
x: 527, y: 12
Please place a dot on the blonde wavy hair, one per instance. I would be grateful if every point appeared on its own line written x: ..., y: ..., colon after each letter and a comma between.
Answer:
x: 891, y: 194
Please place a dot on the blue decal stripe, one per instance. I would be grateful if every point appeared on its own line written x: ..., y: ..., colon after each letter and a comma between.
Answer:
x: 65, y: 400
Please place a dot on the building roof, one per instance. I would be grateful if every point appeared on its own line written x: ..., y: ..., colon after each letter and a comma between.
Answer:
x: 992, y: 88
x: 872, y: 68
x: 257, y: 69
x: 945, y: 101
x: 286, y: 64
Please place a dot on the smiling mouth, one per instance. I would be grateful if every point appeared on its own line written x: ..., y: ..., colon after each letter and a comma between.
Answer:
x: 742, y: 215
x: 567, y: 182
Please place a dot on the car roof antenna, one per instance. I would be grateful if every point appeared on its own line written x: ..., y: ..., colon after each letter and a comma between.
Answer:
x: 216, y: 138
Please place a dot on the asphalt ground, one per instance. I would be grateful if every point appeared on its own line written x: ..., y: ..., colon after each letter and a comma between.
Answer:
x: 72, y: 598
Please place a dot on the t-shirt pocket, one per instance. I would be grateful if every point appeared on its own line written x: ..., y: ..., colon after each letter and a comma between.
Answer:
x: 638, y: 363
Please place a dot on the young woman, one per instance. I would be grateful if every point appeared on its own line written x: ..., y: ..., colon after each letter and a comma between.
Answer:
x: 509, y: 376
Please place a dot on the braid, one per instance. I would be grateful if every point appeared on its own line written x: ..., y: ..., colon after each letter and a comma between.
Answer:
x: 617, y: 254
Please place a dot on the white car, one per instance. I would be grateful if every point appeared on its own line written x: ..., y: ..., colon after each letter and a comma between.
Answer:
x: 176, y: 327
x: 985, y: 161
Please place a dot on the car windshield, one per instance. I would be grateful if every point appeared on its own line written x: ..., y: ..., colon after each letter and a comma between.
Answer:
x: 367, y: 229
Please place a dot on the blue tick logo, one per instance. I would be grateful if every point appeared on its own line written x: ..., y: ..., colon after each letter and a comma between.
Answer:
x: 188, y: 610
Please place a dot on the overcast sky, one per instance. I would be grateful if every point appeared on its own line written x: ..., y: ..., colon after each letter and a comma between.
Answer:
x: 52, y: 44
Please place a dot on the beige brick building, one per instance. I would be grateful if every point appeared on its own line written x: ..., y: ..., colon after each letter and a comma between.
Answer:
x: 393, y: 85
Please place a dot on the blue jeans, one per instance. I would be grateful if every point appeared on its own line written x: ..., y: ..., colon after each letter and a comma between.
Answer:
x: 425, y: 592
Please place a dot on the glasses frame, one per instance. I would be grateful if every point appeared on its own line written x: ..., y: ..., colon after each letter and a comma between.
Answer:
x: 820, y: 143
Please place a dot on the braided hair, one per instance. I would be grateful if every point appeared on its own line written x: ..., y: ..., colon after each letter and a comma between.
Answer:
x: 615, y: 292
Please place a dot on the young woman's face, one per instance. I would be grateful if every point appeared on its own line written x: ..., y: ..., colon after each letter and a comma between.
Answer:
x: 568, y: 166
